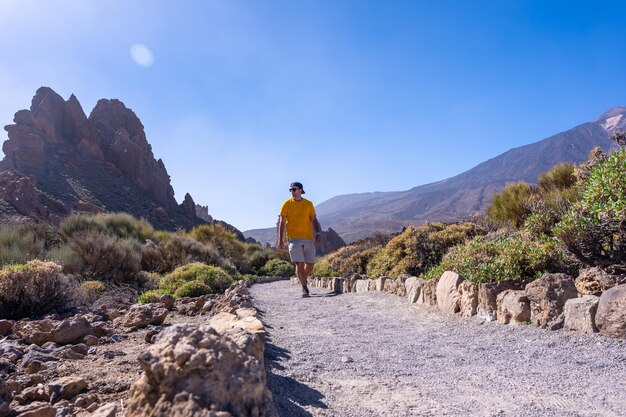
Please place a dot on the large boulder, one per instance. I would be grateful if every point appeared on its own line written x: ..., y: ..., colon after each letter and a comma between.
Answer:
x: 580, y: 314
x: 513, y: 307
x: 71, y: 330
x: 547, y: 296
x: 468, y: 301
x: 35, y: 332
x: 448, y: 297
x: 593, y: 281
x: 192, y: 370
x: 413, y: 287
x: 611, y: 314
x: 487, y: 308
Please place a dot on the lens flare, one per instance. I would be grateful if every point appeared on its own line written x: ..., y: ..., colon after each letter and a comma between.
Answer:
x: 141, y: 55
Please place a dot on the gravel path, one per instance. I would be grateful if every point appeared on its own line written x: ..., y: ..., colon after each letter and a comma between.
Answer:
x: 372, y: 354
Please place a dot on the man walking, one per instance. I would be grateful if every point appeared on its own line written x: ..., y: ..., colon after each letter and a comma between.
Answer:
x: 298, y: 219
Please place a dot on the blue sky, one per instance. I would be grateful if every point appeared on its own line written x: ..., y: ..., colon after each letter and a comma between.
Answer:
x: 243, y: 97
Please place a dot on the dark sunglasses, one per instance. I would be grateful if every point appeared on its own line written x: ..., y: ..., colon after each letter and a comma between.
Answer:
x: 293, y: 189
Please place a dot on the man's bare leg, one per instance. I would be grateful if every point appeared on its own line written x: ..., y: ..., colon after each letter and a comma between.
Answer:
x: 301, y: 272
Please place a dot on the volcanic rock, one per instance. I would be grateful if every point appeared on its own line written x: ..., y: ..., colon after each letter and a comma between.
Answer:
x: 547, y: 296
x: 611, y: 314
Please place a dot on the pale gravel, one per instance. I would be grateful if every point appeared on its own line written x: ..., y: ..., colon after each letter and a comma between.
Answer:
x: 372, y: 354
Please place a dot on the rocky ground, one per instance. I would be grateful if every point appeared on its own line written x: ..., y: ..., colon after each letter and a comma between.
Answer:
x: 372, y: 354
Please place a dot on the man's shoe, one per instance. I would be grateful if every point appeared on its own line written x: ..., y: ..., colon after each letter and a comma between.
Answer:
x: 305, y: 292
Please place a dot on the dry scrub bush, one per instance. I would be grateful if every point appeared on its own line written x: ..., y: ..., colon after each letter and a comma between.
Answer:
x: 91, y: 291
x: 35, y: 289
x: 418, y: 249
x: 177, y: 250
x: 353, y: 258
x: 19, y: 245
x: 122, y: 225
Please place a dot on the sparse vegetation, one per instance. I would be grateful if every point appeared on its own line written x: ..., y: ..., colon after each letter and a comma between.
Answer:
x: 278, y: 268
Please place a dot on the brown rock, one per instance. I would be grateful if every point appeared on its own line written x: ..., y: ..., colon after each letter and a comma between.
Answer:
x: 611, y: 314
x: 31, y: 394
x: 142, y: 315
x: 107, y: 410
x: 37, y: 332
x: 580, y: 314
x: 448, y: 297
x: 91, y: 340
x: 101, y: 329
x: 5, y: 398
x: 6, y: 327
x: 547, y: 296
x: 183, y: 378
x: 337, y: 285
x: 380, y: 283
x: 168, y: 301
x: 468, y: 301
x: 429, y: 292
x: 71, y: 330
x: 66, y: 388
x: 488, y: 294
x: 513, y: 307
x: 593, y: 281
x: 36, y: 409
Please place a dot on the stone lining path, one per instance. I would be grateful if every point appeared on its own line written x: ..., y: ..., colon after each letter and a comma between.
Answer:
x: 372, y: 354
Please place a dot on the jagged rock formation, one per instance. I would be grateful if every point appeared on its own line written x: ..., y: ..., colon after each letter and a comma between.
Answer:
x: 203, y: 213
x: 58, y: 161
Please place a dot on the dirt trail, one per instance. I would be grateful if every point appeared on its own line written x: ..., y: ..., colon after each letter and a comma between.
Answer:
x: 372, y: 354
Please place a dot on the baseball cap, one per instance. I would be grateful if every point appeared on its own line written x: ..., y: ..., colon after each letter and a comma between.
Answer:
x: 297, y: 185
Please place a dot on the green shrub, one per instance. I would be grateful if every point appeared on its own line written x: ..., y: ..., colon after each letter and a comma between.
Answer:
x: 122, y: 225
x: 151, y: 296
x: 594, y: 230
x: 323, y: 269
x: 67, y: 257
x: 517, y: 257
x: 35, y: 289
x: 278, y: 267
x: 418, y: 249
x: 215, y: 277
x: 353, y: 258
x: 179, y: 250
x: 92, y: 290
x: 19, y: 245
x: 508, y: 207
x: 193, y: 289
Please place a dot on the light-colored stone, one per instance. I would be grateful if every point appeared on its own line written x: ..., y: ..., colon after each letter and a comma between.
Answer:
x: 192, y: 370
x: 362, y: 285
x: 513, y: 307
x: 337, y: 285
x: 391, y: 286
x: 611, y: 314
x: 488, y: 294
x: 593, y: 281
x: 380, y: 283
x: 223, y: 322
x: 413, y: 287
x: 36, y: 409
x: 66, y: 388
x: 448, y: 297
x: 580, y: 314
x: 468, y: 301
x: 547, y: 296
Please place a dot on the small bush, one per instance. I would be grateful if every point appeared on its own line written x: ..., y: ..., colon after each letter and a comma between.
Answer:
x: 19, y: 245
x: 92, y: 290
x: 122, y: 225
x: 215, y: 277
x: 151, y: 296
x: 323, y: 269
x: 517, y: 257
x: 509, y: 206
x: 278, y: 267
x: 193, y: 289
x: 35, y: 289
x: 179, y: 250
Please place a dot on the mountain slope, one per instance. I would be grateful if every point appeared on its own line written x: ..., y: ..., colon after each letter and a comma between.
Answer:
x: 358, y: 215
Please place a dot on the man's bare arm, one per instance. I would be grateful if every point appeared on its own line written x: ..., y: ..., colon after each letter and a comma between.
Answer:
x: 317, y: 229
x: 280, y: 241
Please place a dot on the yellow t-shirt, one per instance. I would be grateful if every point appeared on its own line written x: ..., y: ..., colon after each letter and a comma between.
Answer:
x: 299, y: 215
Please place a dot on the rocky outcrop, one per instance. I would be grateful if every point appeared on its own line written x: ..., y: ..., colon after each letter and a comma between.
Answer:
x: 331, y: 241
x: 58, y: 161
x: 547, y: 296
x: 513, y: 307
x: 182, y: 377
x: 203, y: 213
x: 611, y: 314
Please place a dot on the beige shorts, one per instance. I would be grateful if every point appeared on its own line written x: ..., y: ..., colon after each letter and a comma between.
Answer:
x: 302, y: 250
